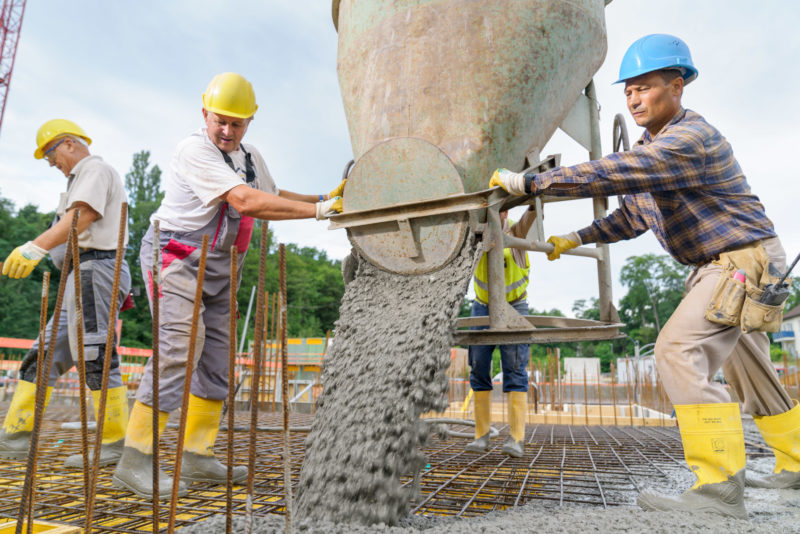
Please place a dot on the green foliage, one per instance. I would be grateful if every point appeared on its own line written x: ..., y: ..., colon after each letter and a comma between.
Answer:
x: 144, y: 196
x: 776, y: 353
x: 20, y: 300
x: 655, y: 288
x: 794, y: 295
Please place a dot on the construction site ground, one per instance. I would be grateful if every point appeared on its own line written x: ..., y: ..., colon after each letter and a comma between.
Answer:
x: 571, y: 479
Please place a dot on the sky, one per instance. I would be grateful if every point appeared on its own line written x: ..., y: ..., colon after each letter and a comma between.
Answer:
x: 132, y: 75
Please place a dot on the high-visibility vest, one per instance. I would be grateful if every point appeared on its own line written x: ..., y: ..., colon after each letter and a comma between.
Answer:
x: 516, y: 277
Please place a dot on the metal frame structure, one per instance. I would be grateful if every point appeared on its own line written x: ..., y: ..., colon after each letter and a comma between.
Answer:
x: 11, y: 15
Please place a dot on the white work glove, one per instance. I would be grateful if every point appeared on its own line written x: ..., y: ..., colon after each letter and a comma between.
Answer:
x: 326, y: 208
x: 22, y: 260
x: 512, y: 182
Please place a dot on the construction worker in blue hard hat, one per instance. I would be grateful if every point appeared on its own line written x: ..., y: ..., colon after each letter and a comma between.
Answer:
x: 216, y: 186
x: 513, y: 357
x: 95, y: 189
x: 681, y: 181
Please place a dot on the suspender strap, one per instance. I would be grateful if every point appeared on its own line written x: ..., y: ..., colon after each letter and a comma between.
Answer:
x: 249, y: 169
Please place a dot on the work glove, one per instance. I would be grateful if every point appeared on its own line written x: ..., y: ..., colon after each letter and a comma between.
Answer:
x: 512, y: 182
x: 22, y: 260
x: 326, y: 208
x: 339, y: 191
x: 563, y: 243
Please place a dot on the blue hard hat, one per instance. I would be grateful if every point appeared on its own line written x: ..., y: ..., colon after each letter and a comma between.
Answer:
x: 657, y: 51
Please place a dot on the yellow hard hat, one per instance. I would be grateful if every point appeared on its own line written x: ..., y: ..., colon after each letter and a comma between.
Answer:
x: 230, y: 94
x: 56, y: 128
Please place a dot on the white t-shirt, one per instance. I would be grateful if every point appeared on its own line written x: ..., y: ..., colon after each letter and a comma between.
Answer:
x: 96, y: 183
x: 197, y: 176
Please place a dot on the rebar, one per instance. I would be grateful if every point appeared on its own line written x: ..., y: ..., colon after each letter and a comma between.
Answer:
x: 234, y: 271
x: 287, y: 481
x: 198, y: 300
x: 255, y: 380
x: 42, y: 378
x: 112, y: 321
x: 155, y: 362
x: 76, y: 278
x: 274, y: 348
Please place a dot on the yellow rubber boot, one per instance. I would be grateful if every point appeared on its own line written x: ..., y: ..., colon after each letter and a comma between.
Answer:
x: 517, y: 410
x: 483, y: 422
x: 782, y: 433
x: 713, y: 445
x: 134, y: 470
x: 114, y: 425
x: 202, y: 426
x: 15, y: 436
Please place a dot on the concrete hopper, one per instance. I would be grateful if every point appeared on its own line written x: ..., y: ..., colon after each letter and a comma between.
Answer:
x: 438, y: 93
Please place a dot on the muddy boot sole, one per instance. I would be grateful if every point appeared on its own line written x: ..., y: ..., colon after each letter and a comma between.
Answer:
x: 479, y: 445
x: 512, y: 448
x: 14, y: 446
x: 134, y: 473
x: 782, y: 480
x: 724, y: 498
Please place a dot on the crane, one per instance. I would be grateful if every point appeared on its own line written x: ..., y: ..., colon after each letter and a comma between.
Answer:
x: 10, y: 24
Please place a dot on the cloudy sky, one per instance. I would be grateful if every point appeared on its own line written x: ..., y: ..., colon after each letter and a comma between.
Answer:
x: 132, y: 74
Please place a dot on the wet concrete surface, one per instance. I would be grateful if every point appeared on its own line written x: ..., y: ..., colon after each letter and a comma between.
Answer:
x: 387, y: 366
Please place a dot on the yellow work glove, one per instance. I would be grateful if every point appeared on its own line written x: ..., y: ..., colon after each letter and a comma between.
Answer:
x: 562, y: 243
x: 22, y: 260
x: 512, y: 182
x: 329, y: 207
x: 339, y: 191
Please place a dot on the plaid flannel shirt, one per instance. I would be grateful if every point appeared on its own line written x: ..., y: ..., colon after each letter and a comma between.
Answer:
x: 684, y: 184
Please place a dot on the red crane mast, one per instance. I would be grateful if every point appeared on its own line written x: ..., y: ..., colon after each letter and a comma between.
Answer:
x: 10, y: 24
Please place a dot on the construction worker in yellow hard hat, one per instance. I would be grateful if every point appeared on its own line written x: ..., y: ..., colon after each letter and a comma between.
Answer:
x: 216, y: 186
x: 681, y: 181
x: 94, y: 188
x: 514, y: 358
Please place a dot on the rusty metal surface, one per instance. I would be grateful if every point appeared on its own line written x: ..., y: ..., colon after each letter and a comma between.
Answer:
x: 486, y: 82
x: 406, y: 171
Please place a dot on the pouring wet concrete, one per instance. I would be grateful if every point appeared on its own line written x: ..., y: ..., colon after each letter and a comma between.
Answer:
x: 386, y: 367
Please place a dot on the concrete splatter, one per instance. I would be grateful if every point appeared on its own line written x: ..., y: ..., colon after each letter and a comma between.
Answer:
x: 386, y: 367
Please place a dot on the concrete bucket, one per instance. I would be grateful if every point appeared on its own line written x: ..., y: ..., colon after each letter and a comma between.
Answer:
x: 439, y: 93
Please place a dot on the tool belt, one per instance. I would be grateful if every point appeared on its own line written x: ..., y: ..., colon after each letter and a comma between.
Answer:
x: 94, y: 254
x: 736, y: 302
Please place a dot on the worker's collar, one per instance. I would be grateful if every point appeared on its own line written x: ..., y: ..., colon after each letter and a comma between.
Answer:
x: 646, y: 137
x: 82, y: 163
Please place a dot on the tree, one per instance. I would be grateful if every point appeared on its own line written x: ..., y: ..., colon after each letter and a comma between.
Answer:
x: 655, y: 288
x: 144, y: 196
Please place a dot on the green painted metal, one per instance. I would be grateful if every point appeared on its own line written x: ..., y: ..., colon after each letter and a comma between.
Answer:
x: 485, y: 81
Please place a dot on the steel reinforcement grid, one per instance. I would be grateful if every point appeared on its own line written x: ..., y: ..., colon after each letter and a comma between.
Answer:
x: 592, y: 465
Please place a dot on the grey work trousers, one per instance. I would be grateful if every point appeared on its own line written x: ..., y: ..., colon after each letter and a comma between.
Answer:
x: 97, y: 278
x: 180, y: 256
x: 690, y: 349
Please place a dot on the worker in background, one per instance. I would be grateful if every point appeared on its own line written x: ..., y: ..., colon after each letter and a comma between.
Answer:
x: 514, y: 358
x: 94, y: 188
x: 216, y: 186
x: 682, y: 181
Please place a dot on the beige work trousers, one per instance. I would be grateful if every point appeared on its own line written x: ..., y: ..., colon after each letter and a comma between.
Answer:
x: 690, y: 349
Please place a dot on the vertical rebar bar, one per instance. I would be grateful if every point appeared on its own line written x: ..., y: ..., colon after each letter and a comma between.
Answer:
x: 255, y: 380
x: 629, y: 374
x: 110, y: 336
x: 42, y: 379
x: 585, y: 396
x: 262, y: 399
x: 614, y: 393
x: 187, y: 383
x: 76, y: 278
x: 572, y: 397
x: 231, y: 381
x: 287, y: 480
x: 276, y: 310
x: 155, y: 276
x: 599, y: 397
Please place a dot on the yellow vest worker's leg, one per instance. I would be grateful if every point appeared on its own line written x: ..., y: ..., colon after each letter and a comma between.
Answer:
x: 15, y: 436
x: 517, y: 410
x: 483, y: 422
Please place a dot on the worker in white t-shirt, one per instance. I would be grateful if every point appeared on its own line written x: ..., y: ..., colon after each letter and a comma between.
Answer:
x: 216, y: 186
x: 95, y: 189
